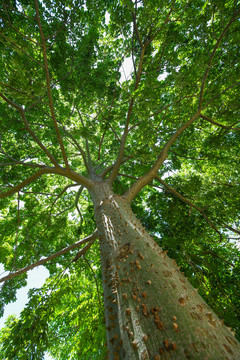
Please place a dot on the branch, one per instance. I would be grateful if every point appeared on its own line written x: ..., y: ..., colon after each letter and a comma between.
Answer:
x: 186, y: 157
x: 16, y: 162
x: 109, y: 112
x: 87, y: 146
x: 95, y: 278
x: 36, y: 139
x: 83, y: 250
x: 78, y: 178
x: 189, y: 203
x: 217, y: 256
x: 152, y: 173
x: 20, y: 12
x: 219, y: 94
x: 125, y: 133
x: 76, y: 203
x: 22, y: 163
x: 78, y: 147
x: 27, y: 181
x: 159, y: 30
x: 136, y: 29
x: 19, y: 32
x: 18, y: 47
x: 58, y: 197
x: 90, y: 239
x: 109, y: 168
x: 49, y: 87
x: 100, y: 143
x: 173, y: 102
x: 217, y: 124
x: 39, y: 193
x: 16, y: 239
x: 212, y: 56
x: 232, y: 229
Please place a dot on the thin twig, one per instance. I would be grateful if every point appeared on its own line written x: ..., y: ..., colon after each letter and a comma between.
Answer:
x: 87, y: 145
x: 212, y: 56
x: 219, y: 94
x: 189, y: 203
x: 78, y: 146
x: 90, y: 238
x: 58, y: 197
x: 36, y: 139
x: 232, y: 229
x: 18, y: 47
x: 217, y: 256
x: 217, y: 124
x: 23, y: 163
x: 95, y: 278
x: 76, y: 204
x: 16, y: 239
x: 19, y: 32
x: 118, y: 162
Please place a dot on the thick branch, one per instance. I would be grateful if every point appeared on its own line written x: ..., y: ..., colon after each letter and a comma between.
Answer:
x: 80, y: 179
x: 27, y: 181
x: 152, y: 173
x: 49, y: 87
x: 89, y: 239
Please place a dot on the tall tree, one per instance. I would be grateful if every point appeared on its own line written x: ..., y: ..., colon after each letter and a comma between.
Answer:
x: 101, y: 175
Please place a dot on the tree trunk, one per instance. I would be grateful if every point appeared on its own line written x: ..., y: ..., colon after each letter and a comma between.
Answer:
x: 151, y: 310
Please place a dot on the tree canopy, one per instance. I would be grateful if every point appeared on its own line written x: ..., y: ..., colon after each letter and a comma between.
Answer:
x: 167, y: 135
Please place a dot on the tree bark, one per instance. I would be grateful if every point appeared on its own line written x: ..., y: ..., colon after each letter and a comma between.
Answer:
x: 151, y: 310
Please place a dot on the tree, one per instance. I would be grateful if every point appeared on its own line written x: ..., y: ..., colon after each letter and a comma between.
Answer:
x: 124, y: 169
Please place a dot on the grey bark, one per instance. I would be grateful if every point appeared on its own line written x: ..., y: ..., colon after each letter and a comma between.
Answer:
x: 151, y: 310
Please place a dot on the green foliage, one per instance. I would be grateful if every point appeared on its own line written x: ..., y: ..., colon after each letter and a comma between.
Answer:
x: 57, y: 319
x: 191, y: 61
